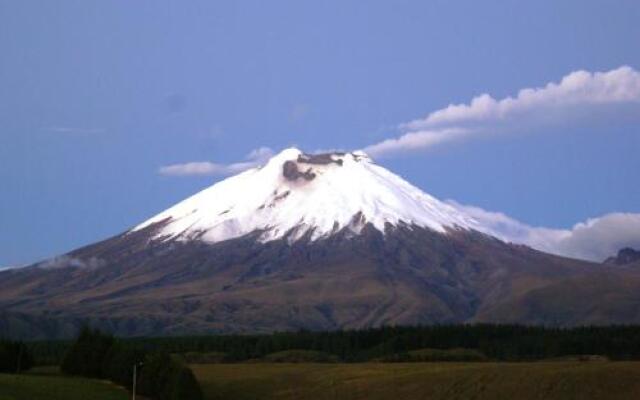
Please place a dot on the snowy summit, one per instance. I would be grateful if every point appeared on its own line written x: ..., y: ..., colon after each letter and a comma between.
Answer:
x: 295, y: 194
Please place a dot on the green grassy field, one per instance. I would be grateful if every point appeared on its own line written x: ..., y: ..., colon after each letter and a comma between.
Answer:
x: 48, y: 385
x: 540, y: 380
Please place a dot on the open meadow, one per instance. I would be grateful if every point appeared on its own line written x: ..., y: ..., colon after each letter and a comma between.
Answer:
x: 547, y: 380
x: 48, y: 384
x: 407, y: 381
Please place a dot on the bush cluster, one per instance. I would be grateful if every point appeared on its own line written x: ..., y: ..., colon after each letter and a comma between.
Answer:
x: 14, y: 357
x: 165, y: 378
x: 161, y: 377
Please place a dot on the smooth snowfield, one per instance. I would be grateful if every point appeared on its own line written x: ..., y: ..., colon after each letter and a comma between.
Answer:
x: 340, y: 196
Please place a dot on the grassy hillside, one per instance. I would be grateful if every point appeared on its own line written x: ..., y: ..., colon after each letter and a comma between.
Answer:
x: 51, y: 386
x: 541, y: 380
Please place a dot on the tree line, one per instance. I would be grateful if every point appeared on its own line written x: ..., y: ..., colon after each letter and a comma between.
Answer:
x: 497, y: 342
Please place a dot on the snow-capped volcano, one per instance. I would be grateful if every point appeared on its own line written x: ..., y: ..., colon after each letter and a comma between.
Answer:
x: 296, y: 194
x: 390, y: 254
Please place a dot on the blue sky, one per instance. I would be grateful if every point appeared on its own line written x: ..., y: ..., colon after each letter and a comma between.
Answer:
x: 95, y: 97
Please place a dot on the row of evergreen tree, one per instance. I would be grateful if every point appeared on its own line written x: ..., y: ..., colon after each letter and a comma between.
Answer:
x: 498, y: 342
x: 15, y: 357
x: 98, y: 355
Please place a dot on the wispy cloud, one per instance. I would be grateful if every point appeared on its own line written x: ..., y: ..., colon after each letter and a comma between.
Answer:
x: 65, y: 261
x: 594, y: 239
x: 572, y: 98
x: 75, y: 130
x: 252, y: 160
x: 414, y: 140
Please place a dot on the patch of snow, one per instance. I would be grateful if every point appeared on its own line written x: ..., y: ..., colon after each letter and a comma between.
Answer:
x: 344, y: 194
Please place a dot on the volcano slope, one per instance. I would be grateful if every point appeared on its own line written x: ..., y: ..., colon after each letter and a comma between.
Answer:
x: 409, y: 276
x: 327, y: 255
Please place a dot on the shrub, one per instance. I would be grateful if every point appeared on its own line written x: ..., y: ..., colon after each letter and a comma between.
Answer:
x: 166, y: 378
x: 185, y: 386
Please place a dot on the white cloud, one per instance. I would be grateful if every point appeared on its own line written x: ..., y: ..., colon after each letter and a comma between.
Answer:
x: 572, y: 98
x: 65, y: 261
x: 595, y: 239
x: 414, y: 140
x: 599, y: 238
x: 254, y: 158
